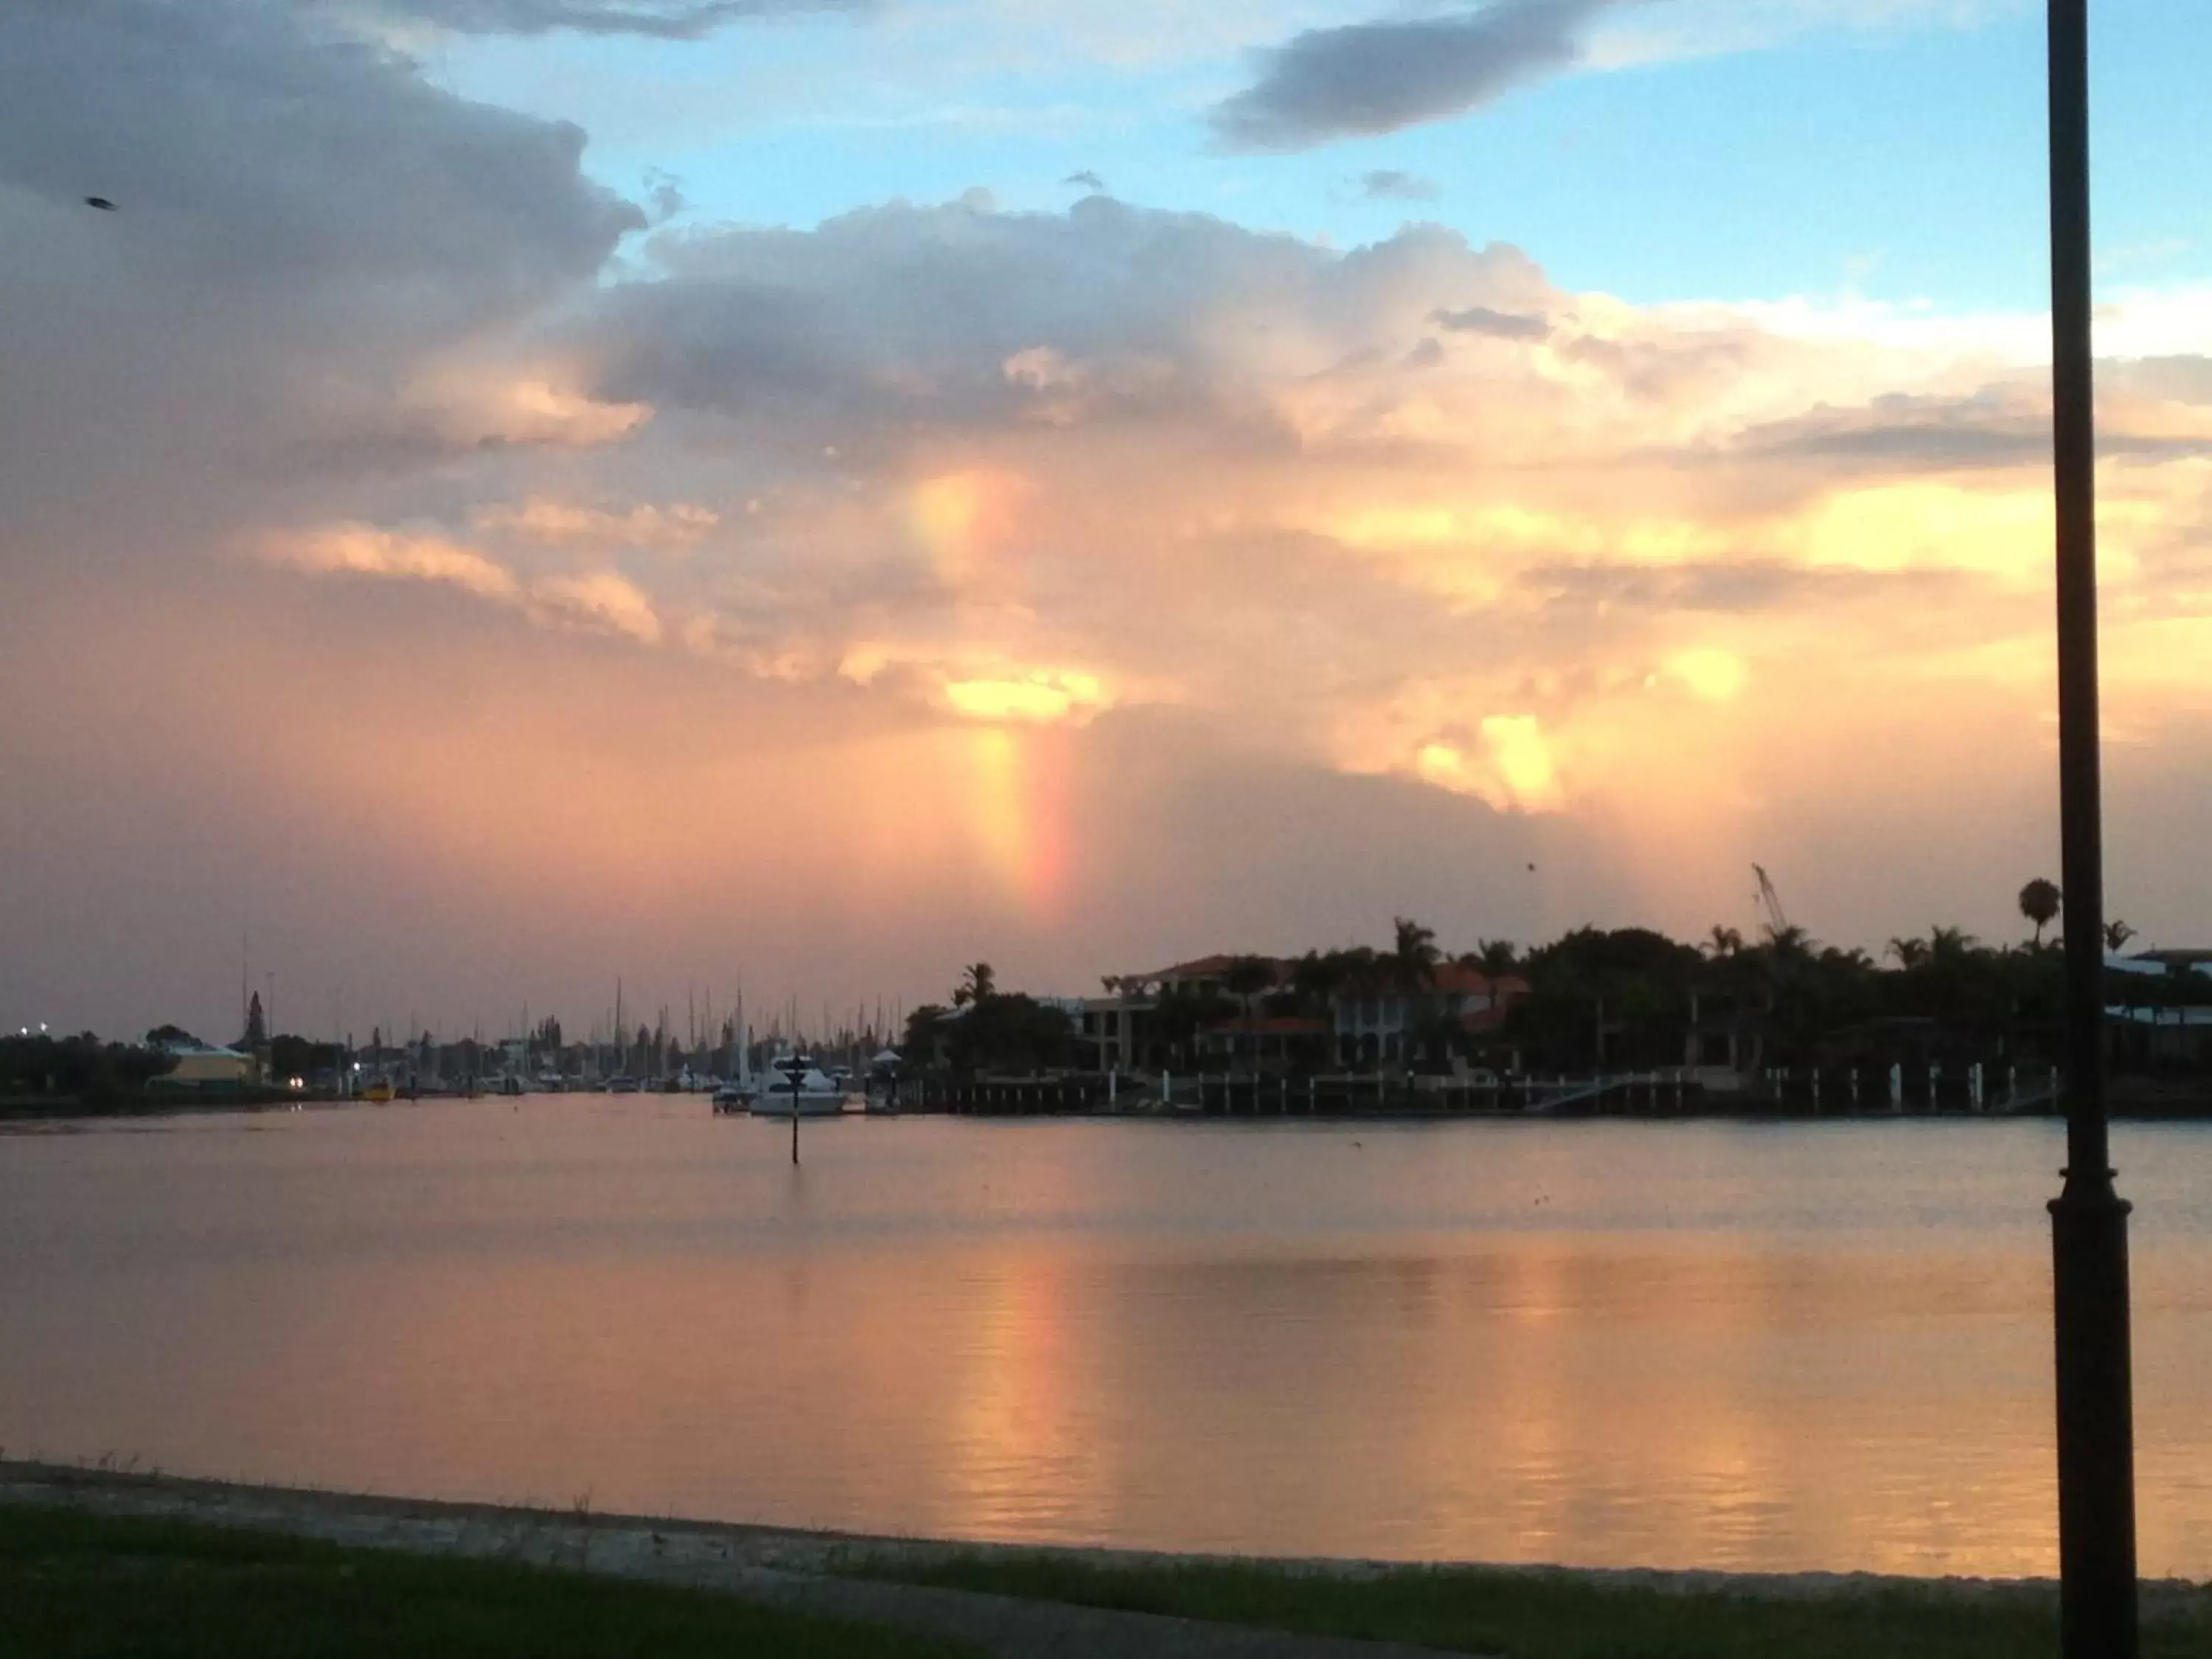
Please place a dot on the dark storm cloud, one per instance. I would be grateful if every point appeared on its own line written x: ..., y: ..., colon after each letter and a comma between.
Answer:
x: 243, y: 148
x: 1363, y: 78
x: 1395, y: 185
x: 1499, y: 324
x: 673, y: 20
x: 306, y: 230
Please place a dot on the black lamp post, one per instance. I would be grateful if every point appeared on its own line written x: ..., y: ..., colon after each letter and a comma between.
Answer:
x: 2088, y: 1219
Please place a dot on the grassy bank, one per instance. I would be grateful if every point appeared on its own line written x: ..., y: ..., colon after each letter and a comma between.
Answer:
x: 1530, y: 1615
x: 73, y: 1586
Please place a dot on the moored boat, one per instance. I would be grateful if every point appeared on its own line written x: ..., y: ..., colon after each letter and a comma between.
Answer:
x: 794, y: 1083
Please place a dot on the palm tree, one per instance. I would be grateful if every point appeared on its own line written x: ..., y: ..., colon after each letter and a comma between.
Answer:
x: 977, y: 984
x: 1414, y: 954
x: 2117, y: 935
x: 1495, y: 956
x: 1723, y: 942
x: 2039, y: 903
x: 1955, y: 973
x: 1316, y: 979
x: 1911, y: 953
x: 1245, y: 978
x: 1950, y: 945
x: 1790, y: 942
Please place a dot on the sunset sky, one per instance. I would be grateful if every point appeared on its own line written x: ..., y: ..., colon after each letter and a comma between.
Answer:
x: 525, y: 491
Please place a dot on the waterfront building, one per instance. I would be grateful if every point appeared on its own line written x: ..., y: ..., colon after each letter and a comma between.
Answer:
x: 1267, y: 1042
x: 201, y: 1066
x: 1400, y: 1025
x: 1240, y: 1013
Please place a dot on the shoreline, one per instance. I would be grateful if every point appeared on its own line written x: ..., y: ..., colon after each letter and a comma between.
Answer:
x: 19, y: 1113
x: 705, y: 1551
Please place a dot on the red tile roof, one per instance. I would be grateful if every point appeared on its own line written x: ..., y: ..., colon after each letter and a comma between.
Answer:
x: 1457, y: 976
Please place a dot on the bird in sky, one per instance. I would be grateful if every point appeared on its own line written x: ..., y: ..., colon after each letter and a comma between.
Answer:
x: 99, y: 201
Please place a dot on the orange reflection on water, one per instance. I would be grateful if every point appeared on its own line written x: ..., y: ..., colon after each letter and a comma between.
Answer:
x: 1791, y: 1352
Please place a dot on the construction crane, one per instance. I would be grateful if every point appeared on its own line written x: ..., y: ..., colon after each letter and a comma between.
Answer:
x: 1770, y: 904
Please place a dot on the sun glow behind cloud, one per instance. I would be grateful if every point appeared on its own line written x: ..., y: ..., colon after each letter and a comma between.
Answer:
x: 1573, y: 638
x: 1041, y: 694
x: 1509, y: 764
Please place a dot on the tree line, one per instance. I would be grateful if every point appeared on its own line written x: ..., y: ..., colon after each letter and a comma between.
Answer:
x: 1597, y: 998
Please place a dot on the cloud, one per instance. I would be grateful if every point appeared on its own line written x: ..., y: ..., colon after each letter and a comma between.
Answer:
x: 1393, y: 185
x: 673, y: 529
x: 962, y: 316
x: 1078, y: 537
x: 676, y: 19
x: 245, y: 147
x: 598, y: 599
x: 998, y: 439
x: 1086, y: 179
x: 1499, y: 324
x: 323, y: 272
x: 602, y: 600
x: 1038, y: 695
x: 364, y: 549
x: 1360, y: 79
x: 1999, y: 426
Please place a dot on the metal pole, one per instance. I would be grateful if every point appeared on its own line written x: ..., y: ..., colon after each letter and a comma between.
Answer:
x: 2088, y: 1219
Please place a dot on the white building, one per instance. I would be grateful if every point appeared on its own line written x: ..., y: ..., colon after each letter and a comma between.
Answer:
x: 199, y: 1066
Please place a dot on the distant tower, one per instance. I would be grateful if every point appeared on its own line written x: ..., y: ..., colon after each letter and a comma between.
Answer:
x: 256, y: 1028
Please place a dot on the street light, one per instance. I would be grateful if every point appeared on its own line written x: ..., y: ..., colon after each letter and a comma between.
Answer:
x: 2088, y: 1219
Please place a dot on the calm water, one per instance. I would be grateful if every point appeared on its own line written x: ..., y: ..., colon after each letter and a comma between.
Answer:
x: 1596, y: 1343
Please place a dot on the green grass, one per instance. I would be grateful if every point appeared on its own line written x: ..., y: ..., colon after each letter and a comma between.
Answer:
x: 1520, y: 1615
x: 73, y: 1586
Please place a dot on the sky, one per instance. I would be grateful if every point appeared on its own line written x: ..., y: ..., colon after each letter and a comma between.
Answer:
x: 798, y: 496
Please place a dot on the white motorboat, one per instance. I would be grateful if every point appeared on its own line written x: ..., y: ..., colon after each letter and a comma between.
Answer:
x: 794, y: 1083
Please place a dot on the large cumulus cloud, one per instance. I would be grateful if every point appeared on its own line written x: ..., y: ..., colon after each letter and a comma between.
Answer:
x: 961, y: 314
x: 1422, y: 511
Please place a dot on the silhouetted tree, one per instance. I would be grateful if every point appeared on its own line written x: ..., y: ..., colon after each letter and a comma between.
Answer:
x: 2039, y: 903
x: 1414, y: 954
x: 978, y: 983
x: 1246, y: 977
x: 1495, y: 956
